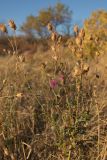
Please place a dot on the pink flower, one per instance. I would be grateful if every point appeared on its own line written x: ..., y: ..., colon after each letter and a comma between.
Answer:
x: 53, y: 83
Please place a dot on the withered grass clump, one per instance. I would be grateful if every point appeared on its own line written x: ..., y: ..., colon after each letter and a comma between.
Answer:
x: 53, y: 107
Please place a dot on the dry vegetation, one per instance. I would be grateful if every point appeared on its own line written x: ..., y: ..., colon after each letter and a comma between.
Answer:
x: 53, y: 105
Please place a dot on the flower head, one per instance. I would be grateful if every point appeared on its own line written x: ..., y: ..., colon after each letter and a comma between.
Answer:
x: 53, y: 83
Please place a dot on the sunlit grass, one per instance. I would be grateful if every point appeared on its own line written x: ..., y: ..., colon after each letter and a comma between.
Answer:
x: 53, y: 104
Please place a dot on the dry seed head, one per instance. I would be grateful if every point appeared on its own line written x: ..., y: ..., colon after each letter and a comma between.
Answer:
x: 59, y: 39
x: 54, y: 36
x: 78, y: 41
x: 21, y: 58
x: 96, y: 39
x: 6, y: 152
x: 79, y: 55
x: 9, y: 52
x: 76, y: 29
x: 69, y: 41
x: 97, y: 53
x: 43, y: 65
x: 78, y: 87
x: 55, y: 57
x: 82, y: 33
x: 50, y: 27
x: 12, y: 24
x: 70, y: 44
x: 85, y: 68
x: 3, y: 28
x: 76, y: 71
x: 4, y: 81
x: 19, y: 95
x: 53, y: 48
x: 73, y: 49
x: 12, y: 157
x: 91, y: 37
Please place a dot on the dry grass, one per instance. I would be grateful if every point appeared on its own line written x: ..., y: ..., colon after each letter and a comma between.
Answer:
x: 53, y: 104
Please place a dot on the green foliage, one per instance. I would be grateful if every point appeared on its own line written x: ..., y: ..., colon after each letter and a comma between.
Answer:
x: 97, y: 24
x: 60, y: 14
x: 96, y: 28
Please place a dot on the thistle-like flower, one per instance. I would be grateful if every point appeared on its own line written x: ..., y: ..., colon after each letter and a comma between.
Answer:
x: 53, y: 83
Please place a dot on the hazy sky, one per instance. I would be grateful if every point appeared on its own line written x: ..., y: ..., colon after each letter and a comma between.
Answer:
x: 19, y: 9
